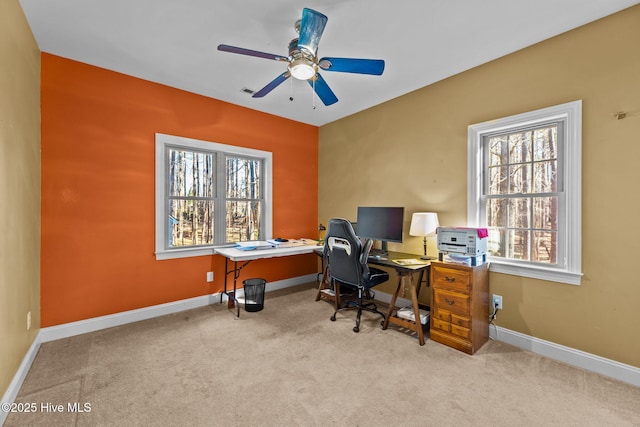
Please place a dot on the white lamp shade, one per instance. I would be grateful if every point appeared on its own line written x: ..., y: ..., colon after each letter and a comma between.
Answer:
x: 423, y: 223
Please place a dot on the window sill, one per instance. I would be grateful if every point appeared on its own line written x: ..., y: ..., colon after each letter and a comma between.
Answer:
x: 184, y: 253
x: 549, y: 274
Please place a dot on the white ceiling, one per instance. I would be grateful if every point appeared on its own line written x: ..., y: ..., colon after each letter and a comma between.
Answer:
x: 174, y: 42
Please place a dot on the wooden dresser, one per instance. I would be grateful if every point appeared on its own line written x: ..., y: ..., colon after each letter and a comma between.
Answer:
x: 460, y: 305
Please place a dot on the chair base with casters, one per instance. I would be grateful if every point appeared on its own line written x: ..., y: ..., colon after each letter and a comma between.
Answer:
x: 362, y: 303
x: 346, y: 259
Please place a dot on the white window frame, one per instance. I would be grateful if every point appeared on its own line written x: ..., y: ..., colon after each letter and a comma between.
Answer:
x: 163, y: 142
x: 569, y: 268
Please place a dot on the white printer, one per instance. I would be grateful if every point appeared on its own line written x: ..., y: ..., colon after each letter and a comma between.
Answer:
x: 463, y: 242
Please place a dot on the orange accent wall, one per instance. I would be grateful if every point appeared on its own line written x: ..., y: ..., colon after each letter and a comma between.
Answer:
x: 98, y: 187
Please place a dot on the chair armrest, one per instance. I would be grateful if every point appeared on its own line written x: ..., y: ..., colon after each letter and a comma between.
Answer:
x: 366, y: 248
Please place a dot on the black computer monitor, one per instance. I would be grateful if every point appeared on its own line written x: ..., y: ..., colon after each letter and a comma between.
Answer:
x: 380, y: 223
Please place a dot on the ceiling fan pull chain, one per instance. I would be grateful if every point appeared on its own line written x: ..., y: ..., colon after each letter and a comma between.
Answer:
x: 291, y: 92
x: 313, y: 95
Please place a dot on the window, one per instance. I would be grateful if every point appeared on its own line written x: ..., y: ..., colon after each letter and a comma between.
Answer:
x: 525, y: 188
x: 209, y: 194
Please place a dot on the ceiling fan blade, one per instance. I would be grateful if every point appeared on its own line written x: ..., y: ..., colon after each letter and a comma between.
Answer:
x: 249, y: 52
x: 353, y: 65
x: 323, y: 90
x: 311, y: 28
x: 271, y: 86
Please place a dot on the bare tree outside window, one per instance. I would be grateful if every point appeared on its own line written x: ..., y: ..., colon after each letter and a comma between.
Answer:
x: 522, y: 204
x: 191, y: 198
x: 243, y: 199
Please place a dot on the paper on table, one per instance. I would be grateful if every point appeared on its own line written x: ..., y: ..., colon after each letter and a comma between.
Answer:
x: 292, y: 242
x: 254, y: 244
x: 407, y: 314
x: 409, y: 261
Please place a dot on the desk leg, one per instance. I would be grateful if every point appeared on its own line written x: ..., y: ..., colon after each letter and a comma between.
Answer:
x: 419, y: 286
x: 416, y: 308
x: 226, y: 272
x: 232, y: 301
x: 322, y: 283
x: 414, y: 326
x: 392, y: 304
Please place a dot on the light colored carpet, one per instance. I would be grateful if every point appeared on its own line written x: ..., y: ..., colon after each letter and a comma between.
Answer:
x: 289, y: 365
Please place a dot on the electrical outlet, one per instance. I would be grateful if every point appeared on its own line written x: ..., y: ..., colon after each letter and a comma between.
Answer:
x: 209, y: 276
x: 28, y: 321
x: 497, y: 301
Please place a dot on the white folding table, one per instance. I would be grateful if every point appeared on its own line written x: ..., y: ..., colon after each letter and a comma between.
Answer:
x: 241, y: 258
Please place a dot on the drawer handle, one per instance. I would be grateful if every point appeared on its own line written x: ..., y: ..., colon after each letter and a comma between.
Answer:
x: 449, y: 279
x: 449, y: 301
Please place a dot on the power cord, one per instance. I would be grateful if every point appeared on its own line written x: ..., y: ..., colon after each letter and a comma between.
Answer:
x: 494, y: 314
x: 492, y: 317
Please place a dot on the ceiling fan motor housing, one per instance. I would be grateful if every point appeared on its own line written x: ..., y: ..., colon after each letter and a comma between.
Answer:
x: 303, y: 64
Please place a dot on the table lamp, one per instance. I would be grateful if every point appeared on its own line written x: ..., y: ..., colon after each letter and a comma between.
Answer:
x: 321, y: 230
x: 424, y: 224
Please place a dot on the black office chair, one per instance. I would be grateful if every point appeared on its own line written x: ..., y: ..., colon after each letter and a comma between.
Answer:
x: 346, y: 258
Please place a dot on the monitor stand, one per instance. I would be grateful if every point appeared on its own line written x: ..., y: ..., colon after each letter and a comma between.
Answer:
x: 380, y: 252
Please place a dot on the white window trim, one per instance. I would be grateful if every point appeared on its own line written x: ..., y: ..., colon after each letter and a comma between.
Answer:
x: 162, y: 141
x: 571, y: 112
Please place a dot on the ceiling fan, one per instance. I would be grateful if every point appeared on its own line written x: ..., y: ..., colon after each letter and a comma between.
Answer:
x: 303, y: 59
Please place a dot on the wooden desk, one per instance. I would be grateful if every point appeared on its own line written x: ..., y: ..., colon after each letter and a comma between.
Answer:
x: 244, y: 257
x: 405, y: 272
x: 324, y: 285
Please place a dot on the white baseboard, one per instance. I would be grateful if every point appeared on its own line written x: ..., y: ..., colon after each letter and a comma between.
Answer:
x: 67, y: 330
x: 18, y: 378
x: 386, y: 298
x: 600, y: 365
x: 97, y: 323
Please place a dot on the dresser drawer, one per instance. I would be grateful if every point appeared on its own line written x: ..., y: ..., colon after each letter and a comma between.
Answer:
x: 460, y: 321
x: 443, y: 315
x: 451, y: 278
x: 452, y: 301
x: 461, y: 332
x: 441, y: 324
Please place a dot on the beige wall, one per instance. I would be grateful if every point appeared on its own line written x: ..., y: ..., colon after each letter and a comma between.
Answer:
x: 412, y: 152
x: 19, y: 188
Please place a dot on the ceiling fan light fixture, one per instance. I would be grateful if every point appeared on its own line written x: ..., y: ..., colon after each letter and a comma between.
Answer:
x: 303, y: 68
